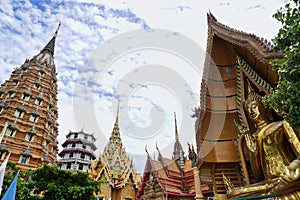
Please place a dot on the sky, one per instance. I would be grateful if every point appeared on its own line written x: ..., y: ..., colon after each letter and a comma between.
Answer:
x: 146, y: 55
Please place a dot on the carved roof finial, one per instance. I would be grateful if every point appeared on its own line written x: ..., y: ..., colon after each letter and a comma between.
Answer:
x: 118, y: 110
x: 146, y: 150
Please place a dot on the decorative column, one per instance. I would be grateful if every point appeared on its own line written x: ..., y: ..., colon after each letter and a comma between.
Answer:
x: 198, y: 189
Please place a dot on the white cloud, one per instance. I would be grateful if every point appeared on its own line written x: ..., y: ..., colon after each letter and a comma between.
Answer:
x: 26, y: 27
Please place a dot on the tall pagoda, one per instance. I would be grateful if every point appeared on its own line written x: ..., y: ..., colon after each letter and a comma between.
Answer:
x: 114, y: 170
x: 78, y: 151
x: 235, y: 61
x: 176, y: 178
x: 28, y: 111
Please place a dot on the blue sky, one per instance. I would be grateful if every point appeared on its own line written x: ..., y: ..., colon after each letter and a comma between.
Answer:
x: 151, y: 81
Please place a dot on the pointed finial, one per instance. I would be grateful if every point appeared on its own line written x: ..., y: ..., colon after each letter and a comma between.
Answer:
x: 118, y: 110
x: 57, y: 29
x: 176, y: 131
x: 51, y: 44
x: 189, y: 146
x: 146, y: 150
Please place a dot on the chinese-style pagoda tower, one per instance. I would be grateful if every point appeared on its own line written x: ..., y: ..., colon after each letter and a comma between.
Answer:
x: 175, y: 178
x: 115, y: 170
x: 78, y: 151
x: 28, y: 111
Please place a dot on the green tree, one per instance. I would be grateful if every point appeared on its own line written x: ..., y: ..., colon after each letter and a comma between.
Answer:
x: 285, y: 98
x: 55, y: 183
x: 23, y: 191
x: 50, y: 183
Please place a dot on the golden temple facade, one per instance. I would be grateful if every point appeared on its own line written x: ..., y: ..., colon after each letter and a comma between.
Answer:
x: 114, y: 169
x: 237, y: 72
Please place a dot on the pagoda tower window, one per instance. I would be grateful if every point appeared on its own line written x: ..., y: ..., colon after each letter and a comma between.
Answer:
x: 10, y: 94
x: 82, y: 156
x: 29, y: 137
x: 75, y: 135
x: 2, y: 155
x: 33, y: 118
x: 73, y: 145
x: 38, y: 102
x: 16, y: 82
x: 69, y: 166
x: 54, y: 150
x: 71, y: 155
x: 24, y: 159
x: 11, y: 132
x: 41, y: 73
x: 19, y: 114
x: 25, y: 97
x: 80, y: 166
x: 47, y: 126
x: 46, y: 144
x: 37, y: 86
x: 83, y: 146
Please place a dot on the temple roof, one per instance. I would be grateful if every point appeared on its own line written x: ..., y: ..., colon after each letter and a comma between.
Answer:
x: 81, y: 132
x: 262, y: 48
x: 168, y: 175
x: 114, y: 159
x: 232, y: 58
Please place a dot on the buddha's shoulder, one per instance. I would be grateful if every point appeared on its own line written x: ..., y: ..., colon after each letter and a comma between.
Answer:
x: 275, y: 127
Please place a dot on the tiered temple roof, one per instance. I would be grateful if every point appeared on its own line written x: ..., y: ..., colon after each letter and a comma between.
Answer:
x: 115, y: 169
x: 170, y: 177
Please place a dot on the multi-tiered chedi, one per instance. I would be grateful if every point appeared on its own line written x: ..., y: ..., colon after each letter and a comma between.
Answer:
x: 78, y: 151
x: 28, y: 111
x: 114, y: 169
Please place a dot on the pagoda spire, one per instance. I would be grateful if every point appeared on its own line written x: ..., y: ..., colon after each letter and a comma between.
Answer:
x: 51, y: 44
x: 178, y: 151
x: 115, y: 136
x: 176, y: 130
x: 117, y: 116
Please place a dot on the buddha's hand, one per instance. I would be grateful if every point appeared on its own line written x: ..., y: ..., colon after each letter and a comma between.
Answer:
x: 251, y: 142
x: 292, y: 172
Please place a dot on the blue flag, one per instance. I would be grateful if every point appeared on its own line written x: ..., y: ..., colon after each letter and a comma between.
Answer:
x: 10, y: 194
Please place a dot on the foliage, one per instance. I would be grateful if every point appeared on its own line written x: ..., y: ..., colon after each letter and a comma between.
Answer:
x: 285, y: 98
x: 55, y: 183
x: 52, y: 182
x: 22, y: 191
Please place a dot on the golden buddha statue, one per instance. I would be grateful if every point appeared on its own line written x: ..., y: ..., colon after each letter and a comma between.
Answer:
x: 273, y: 150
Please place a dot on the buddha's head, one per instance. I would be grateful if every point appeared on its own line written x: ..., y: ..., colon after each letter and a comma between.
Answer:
x: 255, y: 109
